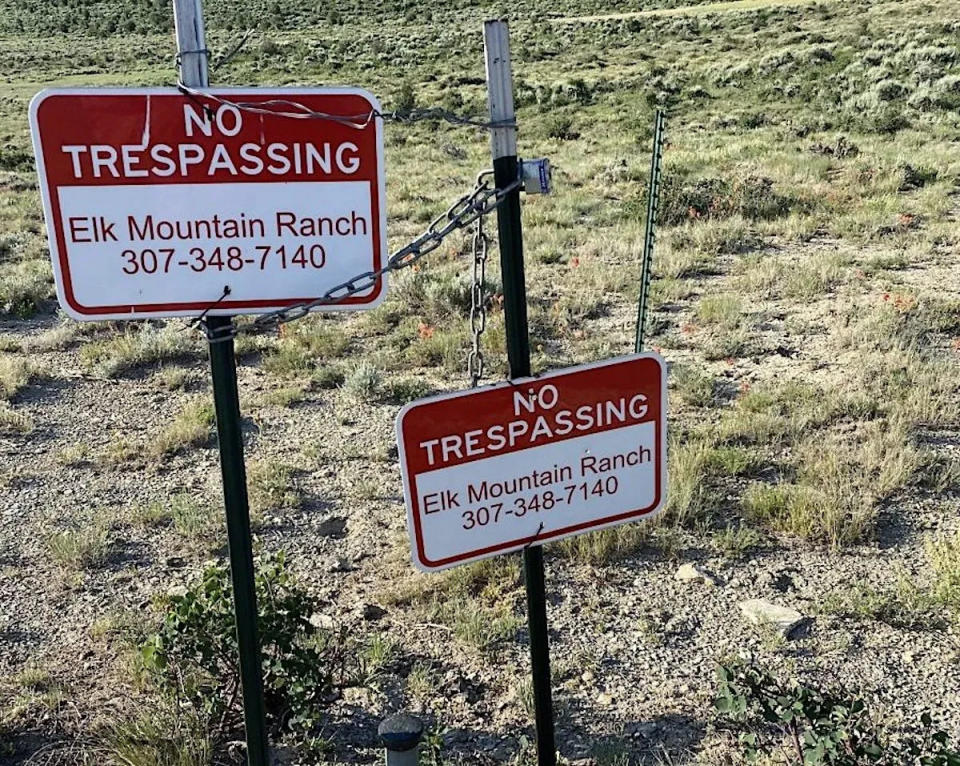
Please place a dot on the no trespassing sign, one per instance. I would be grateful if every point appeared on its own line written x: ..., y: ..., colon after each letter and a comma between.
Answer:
x: 159, y: 204
x: 522, y: 462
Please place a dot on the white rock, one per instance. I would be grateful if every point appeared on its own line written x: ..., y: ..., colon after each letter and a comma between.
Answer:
x: 693, y: 573
x: 604, y: 699
x: 321, y: 621
x: 760, y: 612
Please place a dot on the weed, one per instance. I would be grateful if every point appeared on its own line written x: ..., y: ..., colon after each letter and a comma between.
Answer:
x: 815, y: 726
x: 327, y: 376
x: 723, y: 311
x: 193, y: 518
x: 73, y: 456
x: 15, y: 374
x: 74, y: 550
x: 272, y: 487
x: 407, y: 390
x: 693, y: 386
x: 606, y: 545
x: 284, y: 397
x: 156, y: 514
x: 172, y: 378
x: 14, y: 421
x: 735, y: 541
x: 421, y: 682
x: 479, y: 627
x: 136, y: 346
x: 688, y: 497
x: 732, y: 461
x: 364, y: 382
x: 169, y: 735
x: 192, y: 427
x: 905, y: 605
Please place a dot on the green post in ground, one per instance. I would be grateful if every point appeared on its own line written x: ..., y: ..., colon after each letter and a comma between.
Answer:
x: 653, y: 207
x: 192, y: 56
x: 223, y: 367
x: 506, y: 169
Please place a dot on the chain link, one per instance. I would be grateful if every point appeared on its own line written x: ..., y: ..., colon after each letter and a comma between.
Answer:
x: 471, y: 207
x: 478, y: 304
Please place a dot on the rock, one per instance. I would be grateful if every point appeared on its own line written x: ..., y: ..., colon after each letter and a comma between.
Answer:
x: 282, y: 756
x: 760, y: 612
x: 693, y: 573
x: 341, y: 565
x: 587, y: 676
x: 604, y: 699
x: 321, y: 621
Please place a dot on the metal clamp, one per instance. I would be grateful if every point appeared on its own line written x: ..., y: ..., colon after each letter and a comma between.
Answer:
x: 537, y: 176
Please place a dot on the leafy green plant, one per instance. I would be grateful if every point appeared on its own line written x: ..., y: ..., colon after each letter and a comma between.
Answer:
x: 807, y: 725
x: 194, y: 653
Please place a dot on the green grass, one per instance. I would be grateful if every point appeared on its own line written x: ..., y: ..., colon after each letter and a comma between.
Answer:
x: 77, y: 549
x: 136, y: 346
x: 192, y: 426
x: 272, y: 487
x: 15, y: 374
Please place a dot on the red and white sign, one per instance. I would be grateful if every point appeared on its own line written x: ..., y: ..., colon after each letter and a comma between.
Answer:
x: 522, y: 462
x: 156, y: 201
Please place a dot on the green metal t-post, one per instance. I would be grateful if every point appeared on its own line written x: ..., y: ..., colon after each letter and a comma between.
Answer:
x: 649, y: 239
x: 496, y: 38
x: 191, y: 46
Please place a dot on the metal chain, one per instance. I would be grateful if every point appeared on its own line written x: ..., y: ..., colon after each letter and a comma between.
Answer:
x: 478, y: 304
x: 471, y: 207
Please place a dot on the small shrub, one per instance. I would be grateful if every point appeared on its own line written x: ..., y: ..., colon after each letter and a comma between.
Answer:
x: 911, y: 177
x: 271, y: 486
x: 13, y: 421
x: 284, y: 397
x: 693, y: 386
x: 752, y: 198
x: 77, y: 549
x: 193, y: 518
x: 364, y: 382
x: 735, y: 541
x: 407, y: 390
x: 192, y: 427
x: 723, y: 311
x: 194, y: 653
x: 560, y: 127
x: 139, y: 345
x: 15, y: 374
x: 806, y: 725
x: 406, y: 100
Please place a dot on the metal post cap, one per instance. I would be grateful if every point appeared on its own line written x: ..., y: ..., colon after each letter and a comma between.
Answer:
x: 400, y: 732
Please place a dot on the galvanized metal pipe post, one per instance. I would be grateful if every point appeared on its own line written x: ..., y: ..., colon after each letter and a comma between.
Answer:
x: 192, y: 55
x: 503, y: 142
x: 401, y: 735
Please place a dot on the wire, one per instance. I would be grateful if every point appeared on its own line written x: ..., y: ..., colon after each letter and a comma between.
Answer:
x: 296, y: 111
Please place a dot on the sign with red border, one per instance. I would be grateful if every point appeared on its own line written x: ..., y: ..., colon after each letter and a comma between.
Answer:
x: 158, y: 203
x: 522, y: 462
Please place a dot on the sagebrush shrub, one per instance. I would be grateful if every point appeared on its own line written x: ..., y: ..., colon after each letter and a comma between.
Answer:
x: 194, y: 653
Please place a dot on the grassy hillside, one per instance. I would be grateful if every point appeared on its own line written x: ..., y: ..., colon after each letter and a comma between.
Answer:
x: 805, y: 296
